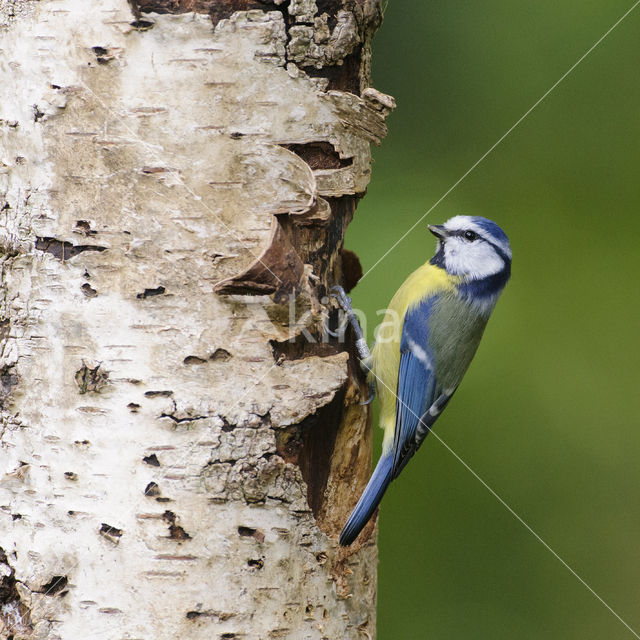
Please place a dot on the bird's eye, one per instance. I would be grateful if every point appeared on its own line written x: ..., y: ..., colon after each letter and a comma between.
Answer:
x: 470, y: 235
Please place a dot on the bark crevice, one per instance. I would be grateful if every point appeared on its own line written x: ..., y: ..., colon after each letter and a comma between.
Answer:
x: 63, y: 249
x: 15, y: 615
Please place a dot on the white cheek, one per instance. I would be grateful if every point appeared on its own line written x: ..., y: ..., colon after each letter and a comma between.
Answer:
x: 473, y: 259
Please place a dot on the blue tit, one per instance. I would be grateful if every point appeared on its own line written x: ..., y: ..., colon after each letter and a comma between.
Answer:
x: 430, y: 334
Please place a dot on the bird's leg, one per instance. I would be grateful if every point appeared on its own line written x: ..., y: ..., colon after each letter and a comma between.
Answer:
x: 361, y: 344
x: 345, y: 304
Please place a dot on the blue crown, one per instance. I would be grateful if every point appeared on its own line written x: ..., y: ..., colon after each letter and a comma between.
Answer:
x: 495, y: 232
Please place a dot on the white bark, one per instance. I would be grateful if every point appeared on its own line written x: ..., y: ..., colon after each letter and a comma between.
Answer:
x: 152, y: 437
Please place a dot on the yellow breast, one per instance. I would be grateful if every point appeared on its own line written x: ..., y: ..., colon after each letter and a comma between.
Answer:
x: 424, y: 282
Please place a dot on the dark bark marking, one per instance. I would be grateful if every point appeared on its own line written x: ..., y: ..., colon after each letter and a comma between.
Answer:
x: 257, y: 563
x: 184, y: 418
x: 88, y: 290
x: 218, y: 616
x: 151, y: 460
x: 112, y: 534
x: 37, y: 114
x: 250, y: 532
x: 54, y: 586
x: 64, y: 250
x: 226, y: 426
x: 149, y: 293
x: 152, y: 490
x: 103, y: 55
x: 84, y: 227
x: 300, y: 348
x: 176, y: 532
x: 142, y: 25
x: 91, y: 380
x: 220, y: 355
x: 319, y: 155
x: 158, y: 394
x: 148, y: 170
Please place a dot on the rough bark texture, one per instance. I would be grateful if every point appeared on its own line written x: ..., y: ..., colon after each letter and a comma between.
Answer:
x: 176, y: 177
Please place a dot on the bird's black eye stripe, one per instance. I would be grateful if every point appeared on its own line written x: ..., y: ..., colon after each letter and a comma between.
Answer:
x: 467, y: 234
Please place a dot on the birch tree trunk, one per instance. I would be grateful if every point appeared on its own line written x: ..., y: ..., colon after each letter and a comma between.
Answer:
x: 178, y: 446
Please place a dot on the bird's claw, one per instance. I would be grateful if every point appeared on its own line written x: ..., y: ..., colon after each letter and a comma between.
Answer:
x: 340, y: 329
x: 343, y: 299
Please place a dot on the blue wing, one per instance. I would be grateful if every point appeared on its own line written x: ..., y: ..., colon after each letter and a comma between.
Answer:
x: 420, y: 401
x: 420, y: 398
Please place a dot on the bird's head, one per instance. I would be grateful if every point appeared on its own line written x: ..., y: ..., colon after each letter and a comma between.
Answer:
x: 472, y: 247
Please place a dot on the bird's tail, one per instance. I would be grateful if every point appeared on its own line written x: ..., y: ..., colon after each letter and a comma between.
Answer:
x: 369, y: 500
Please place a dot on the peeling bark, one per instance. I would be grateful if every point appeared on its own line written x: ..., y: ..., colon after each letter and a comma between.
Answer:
x: 176, y: 178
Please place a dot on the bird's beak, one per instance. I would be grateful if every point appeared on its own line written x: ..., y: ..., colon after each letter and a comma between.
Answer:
x: 438, y: 231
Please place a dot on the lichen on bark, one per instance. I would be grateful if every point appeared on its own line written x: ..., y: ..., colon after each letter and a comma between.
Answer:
x: 176, y: 178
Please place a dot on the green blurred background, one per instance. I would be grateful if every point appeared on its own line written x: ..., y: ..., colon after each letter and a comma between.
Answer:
x: 548, y: 413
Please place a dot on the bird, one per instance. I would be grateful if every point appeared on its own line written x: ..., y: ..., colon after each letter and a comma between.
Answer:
x: 430, y: 333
